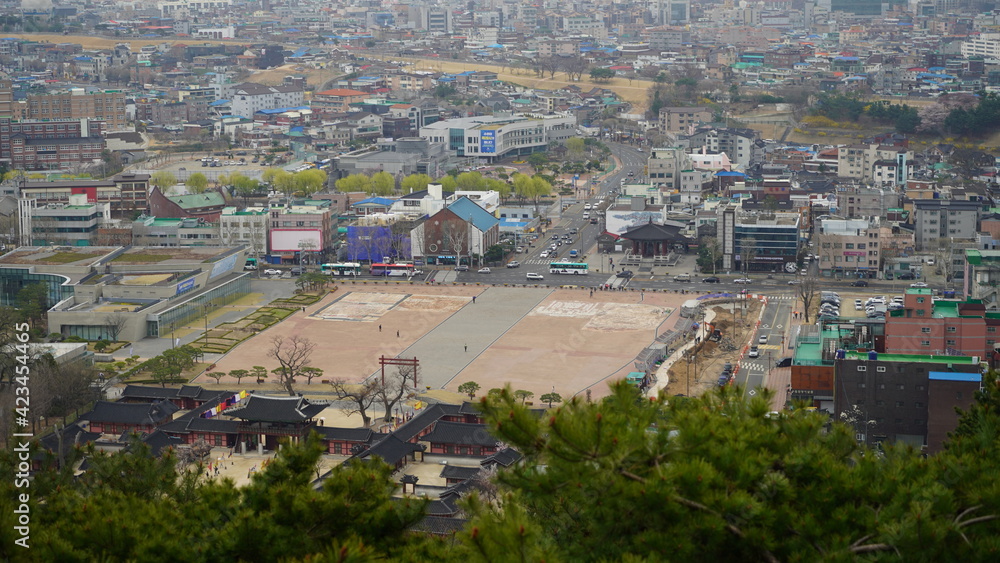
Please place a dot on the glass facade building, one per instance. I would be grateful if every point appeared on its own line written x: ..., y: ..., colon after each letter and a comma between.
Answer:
x: 198, y: 306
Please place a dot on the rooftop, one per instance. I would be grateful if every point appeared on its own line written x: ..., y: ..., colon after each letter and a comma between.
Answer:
x: 55, y: 255
x: 914, y: 358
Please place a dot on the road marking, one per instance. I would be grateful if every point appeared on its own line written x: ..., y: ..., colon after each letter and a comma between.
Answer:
x: 765, y: 326
x: 752, y: 392
x: 779, y: 327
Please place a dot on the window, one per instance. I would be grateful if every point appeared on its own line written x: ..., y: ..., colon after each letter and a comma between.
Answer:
x: 925, y: 342
x: 879, y: 403
x: 952, y: 329
x: 900, y: 386
x: 951, y: 342
x: 925, y: 329
x: 861, y: 385
x: 899, y: 403
x: 991, y: 329
x: 921, y: 387
x: 862, y: 368
x: 880, y: 369
x: 918, y: 405
x: 920, y: 299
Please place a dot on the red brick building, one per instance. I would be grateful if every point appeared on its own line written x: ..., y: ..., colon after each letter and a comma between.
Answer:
x: 49, y: 145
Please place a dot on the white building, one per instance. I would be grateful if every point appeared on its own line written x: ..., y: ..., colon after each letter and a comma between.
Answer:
x: 74, y: 223
x: 247, y: 227
x: 986, y: 45
x: 249, y: 98
x: 494, y: 137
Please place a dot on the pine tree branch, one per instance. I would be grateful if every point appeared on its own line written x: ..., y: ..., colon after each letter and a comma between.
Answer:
x: 977, y: 520
x: 874, y: 547
x: 768, y: 556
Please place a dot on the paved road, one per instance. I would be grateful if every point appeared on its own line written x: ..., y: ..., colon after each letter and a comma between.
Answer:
x: 452, y: 345
x: 774, y: 325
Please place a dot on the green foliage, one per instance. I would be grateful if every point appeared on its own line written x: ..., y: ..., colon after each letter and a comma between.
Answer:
x: 415, y: 182
x: 551, y: 398
x: 976, y: 121
x: 448, y: 183
x: 355, y: 183
x: 383, y: 184
x: 196, y: 183
x: 469, y: 388
x: 601, y: 75
x: 162, y: 180
x: 471, y: 181
x: 33, y: 302
x: 538, y: 160
x: 444, y: 91
x: 839, y: 107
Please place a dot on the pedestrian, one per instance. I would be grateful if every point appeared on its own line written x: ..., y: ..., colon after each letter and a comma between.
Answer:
x: 642, y: 296
x: 591, y: 292
x: 303, y: 309
x: 466, y: 347
x: 397, y: 334
x: 473, y: 299
x: 380, y: 328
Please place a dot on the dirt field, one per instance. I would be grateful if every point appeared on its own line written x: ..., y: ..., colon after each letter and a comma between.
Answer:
x: 316, y: 77
x: 712, y: 356
x: 634, y: 92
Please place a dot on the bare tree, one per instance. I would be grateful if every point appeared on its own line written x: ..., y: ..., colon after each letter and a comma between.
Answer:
x: 395, y: 387
x: 292, y: 355
x: 195, y: 453
x: 807, y: 293
x: 359, y: 397
x: 575, y: 67
x: 713, y: 251
x: 115, y: 323
x: 457, y: 241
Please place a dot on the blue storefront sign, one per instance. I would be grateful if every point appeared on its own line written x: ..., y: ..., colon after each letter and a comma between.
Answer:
x: 488, y: 141
x: 185, y: 285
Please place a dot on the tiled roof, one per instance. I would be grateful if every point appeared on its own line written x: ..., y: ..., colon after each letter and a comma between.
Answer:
x: 131, y: 413
x: 363, y: 435
x: 460, y: 433
x: 505, y: 458
x: 423, y: 419
x: 459, y: 472
x: 390, y: 450
x: 260, y: 408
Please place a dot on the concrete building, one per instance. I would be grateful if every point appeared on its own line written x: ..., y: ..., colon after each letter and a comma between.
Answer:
x: 302, y: 232
x: 759, y: 241
x: 744, y: 147
x: 665, y: 166
x: 881, y: 165
x: 683, y: 119
x: 247, y: 228
x: 124, y: 193
x: 249, y: 98
x: 78, y: 103
x: 403, y: 157
x: 849, y: 247
x: 982, y: 276
x: 907, y: 398
x: 174, y: 232
x: 859, y: 202
x: 126, y: 293
x: 337, y: 100
x: 206, y: 206
x: 946, y: 327
x: 74, y: 223
x: 631, y: 212
x: 491, y: 138
x: 939, y: 220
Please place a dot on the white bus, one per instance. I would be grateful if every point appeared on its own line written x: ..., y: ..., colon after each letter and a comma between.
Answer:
x: 568, y: 268
x: 341, y: 269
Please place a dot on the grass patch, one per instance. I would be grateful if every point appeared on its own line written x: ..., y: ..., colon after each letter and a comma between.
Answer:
x: 140, y: 257
x: 68, y: 257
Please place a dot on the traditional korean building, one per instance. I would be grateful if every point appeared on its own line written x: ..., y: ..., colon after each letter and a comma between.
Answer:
x: 119, y: 418
x: 265, y: 420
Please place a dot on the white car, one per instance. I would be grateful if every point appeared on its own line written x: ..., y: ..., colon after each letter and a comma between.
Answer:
x: 857, y: 305
x: 544, y: 254
x: 272, y: 272
x: 762, y: 339
x: 534, y: 276
x: 484, y: 270
x: 918, y: 284
x: 754, y: 352
x: 587, y: 207
x: 742, y: 280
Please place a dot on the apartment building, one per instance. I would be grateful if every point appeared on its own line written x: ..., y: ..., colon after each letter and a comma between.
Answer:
x: 759, y: 241
x: 166, y: 231
x: 857, y: 201
x: 947, y: 327
x: 882, y: 165
x: 305, y: 228
x: 665, y: 165
x: 77, y: 103
x: 683, y: 119
x: 939, y: 220
x: 43, y: 145
x: 337, y: 100
x: 248, y: 98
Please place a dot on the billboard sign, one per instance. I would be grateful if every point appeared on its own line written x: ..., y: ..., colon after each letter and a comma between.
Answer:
x: 488, y: 141
x: 186, y: 285
x: 296, y: 240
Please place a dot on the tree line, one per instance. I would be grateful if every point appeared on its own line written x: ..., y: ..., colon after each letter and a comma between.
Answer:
x: 957, y: 114
x: 718, y: 477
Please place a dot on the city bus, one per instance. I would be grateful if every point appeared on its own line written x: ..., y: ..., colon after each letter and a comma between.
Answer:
x: 567, y: 268
x: 392, y: 270
x: 341, y: 269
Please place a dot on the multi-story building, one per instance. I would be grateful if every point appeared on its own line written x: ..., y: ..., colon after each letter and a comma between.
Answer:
x: 457, y: 232
x: 907, y: 398
x: 665, y: 165
x: 940, y: 220
x: 925, y: 326
x: 492, y: 138
x: 125, y: 193
x: 74, y: 223
x: 985, y: 45
x: 683, y: 119
x: 102, y: 105
x: 883, y: 165
x: 982, y: 276
x: 42, y: 145
x: 759, y: 241
x: 744, y: 147
x: 301, y: 232
x: 857, y: 201
x: 247, y: 227
x: 849, y: 247
x: 405, y: 82
x: 166, y: 231
x: 249, y: 98
x: 337, y: 100
x: 668, y: 38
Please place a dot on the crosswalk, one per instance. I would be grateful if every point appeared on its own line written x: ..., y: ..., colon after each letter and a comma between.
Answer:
x: 769, y: 347
x: 782, y: 297
x: 753, y: 366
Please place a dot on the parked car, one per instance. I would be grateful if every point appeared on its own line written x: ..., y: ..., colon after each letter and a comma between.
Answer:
x: 754, y: 352
x: 857, y: 305
x: 534, y: 276
x: 272, y: 272
x: 784, y: 363
x: 906, y: 276
x: 743, y: 280
x: 298, y: 271
x: 461, y: 268
x: 918, y: 284
x: 625, y: 274
x: 544, y: 254
x: 513, y: 264
x: 484, y: 270
x: 859, y: 283
x: 710, y: 279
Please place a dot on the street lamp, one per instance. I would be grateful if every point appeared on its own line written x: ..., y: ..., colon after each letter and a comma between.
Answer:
x: 208, y: 307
